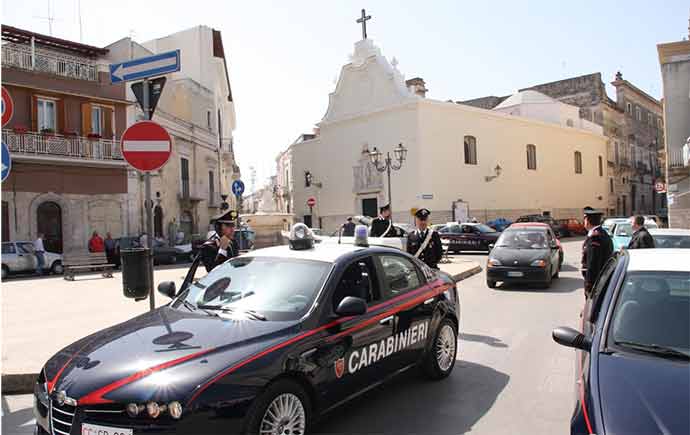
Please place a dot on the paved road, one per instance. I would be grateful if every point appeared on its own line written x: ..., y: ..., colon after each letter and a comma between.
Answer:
x: 510, y: 377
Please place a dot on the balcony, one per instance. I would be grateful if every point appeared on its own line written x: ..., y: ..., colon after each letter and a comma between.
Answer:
x: 46, y: 61
x: 675, y: 159
x: 55, y: 146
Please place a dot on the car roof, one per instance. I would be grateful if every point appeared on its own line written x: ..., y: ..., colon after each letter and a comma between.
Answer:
x: 617, y: 219
x: 326, y: 252
x: 529, y: 224
x: 669, y: 231
x: 671, y: 260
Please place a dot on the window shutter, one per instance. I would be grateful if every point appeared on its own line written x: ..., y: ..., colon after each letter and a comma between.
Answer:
x: 60, y: 121
x: 107, y: 123
x: 85, y: 119
x: 34, y: 113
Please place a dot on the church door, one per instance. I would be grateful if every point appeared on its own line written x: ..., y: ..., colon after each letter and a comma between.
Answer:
x: 49, y: 223
x: 370, y: 207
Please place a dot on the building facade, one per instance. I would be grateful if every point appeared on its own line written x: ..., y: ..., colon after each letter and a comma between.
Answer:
x: 490, y: 163
x: 68, y: 177
x: 197, y: 109
x: 674, y: 59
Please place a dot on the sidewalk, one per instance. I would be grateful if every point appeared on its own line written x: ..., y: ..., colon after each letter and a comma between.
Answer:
x: 41, y: 316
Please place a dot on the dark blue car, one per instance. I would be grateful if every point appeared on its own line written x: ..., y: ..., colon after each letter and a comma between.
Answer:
x: 633, y: 359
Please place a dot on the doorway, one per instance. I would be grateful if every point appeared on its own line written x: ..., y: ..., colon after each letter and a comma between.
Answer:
x: 49, y: 223
x: 187, y: 225
x: 307, y: 220
x: 5, y: 222
x: 370, y: 207
x: 158, y: 221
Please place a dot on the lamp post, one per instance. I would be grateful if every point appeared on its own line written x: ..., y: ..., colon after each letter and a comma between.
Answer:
x: 388, y: 164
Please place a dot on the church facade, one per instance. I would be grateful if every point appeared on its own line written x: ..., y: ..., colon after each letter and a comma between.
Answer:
x: 487, y: 163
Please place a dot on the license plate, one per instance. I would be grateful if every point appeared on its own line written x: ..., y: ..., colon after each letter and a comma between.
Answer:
x: 515, y: 274
x: 94, y: 429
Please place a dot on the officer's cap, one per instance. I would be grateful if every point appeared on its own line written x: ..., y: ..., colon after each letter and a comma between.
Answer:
x: 384, y: 208
x: 422, y: 214
x: 227, y: 217
x: 589, y: 211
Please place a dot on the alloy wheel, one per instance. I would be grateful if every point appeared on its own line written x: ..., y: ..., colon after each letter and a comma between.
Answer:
x: 284, y: 416
x: 445, y: 347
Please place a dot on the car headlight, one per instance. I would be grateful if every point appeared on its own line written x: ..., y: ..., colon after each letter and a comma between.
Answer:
x: 153, y: 409
x: 538, y: 263
x: 175, y: 410
x: 493, y: 262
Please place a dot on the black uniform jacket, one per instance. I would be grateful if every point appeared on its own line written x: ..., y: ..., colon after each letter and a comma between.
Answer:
x: 379, y: 226
x: 348, y: 229
x: 212, y: 258
x: 433, y: 252
x: 641, y: 239
x: 596, y: 251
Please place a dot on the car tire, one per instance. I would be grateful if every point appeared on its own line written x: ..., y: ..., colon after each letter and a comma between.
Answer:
x: 547, y: 283
x: 490, y: 284
x: 558, y: 272
x: 5, y: 271
x: 440, y: 358
x: 57, y: 268
x: 281, y: 390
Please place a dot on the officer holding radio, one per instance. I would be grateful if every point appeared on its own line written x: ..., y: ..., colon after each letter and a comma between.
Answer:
x: 222, y: 246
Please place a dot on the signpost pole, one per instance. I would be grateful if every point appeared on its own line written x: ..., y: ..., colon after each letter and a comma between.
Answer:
x: 148, y: 204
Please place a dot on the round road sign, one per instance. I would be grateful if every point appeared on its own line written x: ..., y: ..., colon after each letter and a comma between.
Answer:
x: 7, y: 106
x: 237, y: 187
x: 6, y: 162
x: 660, y: 187
x: 146, y: 146
x: 311, y: 202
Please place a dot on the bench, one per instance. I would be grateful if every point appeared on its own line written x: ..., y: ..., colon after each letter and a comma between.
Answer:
x: 79, y: 262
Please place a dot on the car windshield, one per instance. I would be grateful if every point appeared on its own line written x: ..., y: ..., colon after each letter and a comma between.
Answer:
x: 653, y: 312
x: 26, y: 247
x: 485, y: 228
x: 275, y: 288
x: 523, y: 239
x: 668, y: 241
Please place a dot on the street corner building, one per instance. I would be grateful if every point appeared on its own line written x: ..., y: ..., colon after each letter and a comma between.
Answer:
x: 68, y: 177
x: 533, y: 154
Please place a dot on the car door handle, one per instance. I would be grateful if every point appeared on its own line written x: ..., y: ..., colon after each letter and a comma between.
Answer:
x: 428, y: 301
x: 387, y: 321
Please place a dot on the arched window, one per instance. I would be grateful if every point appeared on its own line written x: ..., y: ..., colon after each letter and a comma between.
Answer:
x: 578, y: 162
x: 531, y: 157
x: 470, y: 150
x: 49, y: 223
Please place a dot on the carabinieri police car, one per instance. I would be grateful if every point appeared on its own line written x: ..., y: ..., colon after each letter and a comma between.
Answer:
x: 263, y: 344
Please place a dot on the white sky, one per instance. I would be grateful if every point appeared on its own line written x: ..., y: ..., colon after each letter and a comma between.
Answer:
x: 284, y: 56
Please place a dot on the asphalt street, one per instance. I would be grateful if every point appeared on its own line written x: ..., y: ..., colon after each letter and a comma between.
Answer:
x: 510, y: 376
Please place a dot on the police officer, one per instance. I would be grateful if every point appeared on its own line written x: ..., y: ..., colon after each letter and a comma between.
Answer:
x: 596, y: 250
x: 349, y: 228
x: 222, y: 245
x: 425, y: 243
x: 382, y: 226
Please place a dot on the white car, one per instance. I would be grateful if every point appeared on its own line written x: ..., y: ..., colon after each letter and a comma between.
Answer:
x: 20, y: 257
x: 670, y: 238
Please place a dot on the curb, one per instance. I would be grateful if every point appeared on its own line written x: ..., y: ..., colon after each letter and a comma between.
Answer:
x: 19, y: 384
x: 467, y: 273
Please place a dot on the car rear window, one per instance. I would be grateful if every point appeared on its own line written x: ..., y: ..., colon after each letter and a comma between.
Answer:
x: 668, y: 241
x: 523, y: 238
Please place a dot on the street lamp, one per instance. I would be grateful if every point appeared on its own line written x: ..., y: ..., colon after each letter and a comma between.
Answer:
x: 388, y: 164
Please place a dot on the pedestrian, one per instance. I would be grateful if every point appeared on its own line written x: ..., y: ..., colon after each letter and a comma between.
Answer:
x: 641, y: 239
x: 110, y: 248
x: 96, y: 243
x: 222, y: 246
x: 382, y: 226
x: 425, y: 243
x: 596, y: 249
x: 144, y: 240
x: 40, y: 253
x: 349, y: 228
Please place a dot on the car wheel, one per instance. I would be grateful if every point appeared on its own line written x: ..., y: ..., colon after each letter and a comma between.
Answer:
x: 558, y: 272
x: 57, y: 268
x: 5, y: 271
x: 283, y: 408
x: 490, y: 284
x: 547, y: 283
x: 440, y: 359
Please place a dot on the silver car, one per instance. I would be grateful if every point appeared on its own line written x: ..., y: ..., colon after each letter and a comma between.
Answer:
x: 20, y: 257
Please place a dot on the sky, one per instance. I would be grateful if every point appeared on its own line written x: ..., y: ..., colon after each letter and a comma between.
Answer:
x: 284, y: 57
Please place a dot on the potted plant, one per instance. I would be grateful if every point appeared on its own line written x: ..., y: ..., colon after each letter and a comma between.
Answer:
x: 48, y: 132
x: 20, y: 129
x: 93, y: 136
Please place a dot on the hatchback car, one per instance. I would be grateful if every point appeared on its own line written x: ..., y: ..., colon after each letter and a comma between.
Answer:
x: 670, y: 238
x: 633, y: 349
x: 20, y: 257
x: 525, y: 253
x: 468, y: 236
x: 265, y: 343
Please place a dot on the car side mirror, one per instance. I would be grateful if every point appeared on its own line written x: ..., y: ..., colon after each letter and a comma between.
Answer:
x: 491, y: 246
x: 351, y: 306
x: 571, y: 338
x: 167, y: 288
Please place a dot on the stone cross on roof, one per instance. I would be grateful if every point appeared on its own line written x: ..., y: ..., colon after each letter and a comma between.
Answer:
x: 363, y: 20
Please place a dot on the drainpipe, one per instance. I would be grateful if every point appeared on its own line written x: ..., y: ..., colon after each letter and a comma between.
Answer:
x: 33, y: 53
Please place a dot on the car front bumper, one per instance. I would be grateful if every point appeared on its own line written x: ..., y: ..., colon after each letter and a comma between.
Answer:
x: 517, y: 274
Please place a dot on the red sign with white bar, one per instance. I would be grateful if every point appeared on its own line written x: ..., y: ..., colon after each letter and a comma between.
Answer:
x: 7, y: 106
x: 311, y: 202
x: 146, y: 146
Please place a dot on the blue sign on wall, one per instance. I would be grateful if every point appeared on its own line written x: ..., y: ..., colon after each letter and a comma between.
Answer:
x: 6, y: 162
x: 237, y: 187
x: 144, y: 67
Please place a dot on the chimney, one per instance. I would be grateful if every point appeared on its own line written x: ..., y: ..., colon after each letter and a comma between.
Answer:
x: 417, y: 86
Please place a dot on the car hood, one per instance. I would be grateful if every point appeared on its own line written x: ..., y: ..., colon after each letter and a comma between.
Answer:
x: 188, y: 347
x: 644, y: 395
x: 523, y: 257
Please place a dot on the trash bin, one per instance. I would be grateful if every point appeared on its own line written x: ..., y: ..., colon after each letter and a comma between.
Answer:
x: 136, y: 273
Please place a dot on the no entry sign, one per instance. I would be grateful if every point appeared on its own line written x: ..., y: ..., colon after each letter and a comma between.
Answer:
x: 146, y: 146
x: 311, y: 202
x: 7, y: 107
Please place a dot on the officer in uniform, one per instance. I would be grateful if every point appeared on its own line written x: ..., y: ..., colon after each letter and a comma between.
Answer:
x: 596, y: 249
x: 425, y: 243
x: 222, y: 245
x: 382, y: 226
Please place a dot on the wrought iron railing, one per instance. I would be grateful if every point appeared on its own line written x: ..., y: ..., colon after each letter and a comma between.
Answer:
x: 51, y: 62
x: 76, y: 147
x: 675, y: 159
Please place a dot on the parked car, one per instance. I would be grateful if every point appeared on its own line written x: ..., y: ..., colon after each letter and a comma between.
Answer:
x: 468, y: 236
x: 499, y: 224
x: 633, y: 352
x: 19, y: 257
x: 542, y: 219
x: 622, y: 233
x: 526, y: 252
x: 570, y: 227
x: 609, y: 223
x: 162, y: 253
x: 670, y: 238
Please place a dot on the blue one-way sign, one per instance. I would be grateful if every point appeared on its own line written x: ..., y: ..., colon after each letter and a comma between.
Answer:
x: 6, y: 162
x: 237, y: 187
x: 145, y: 67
